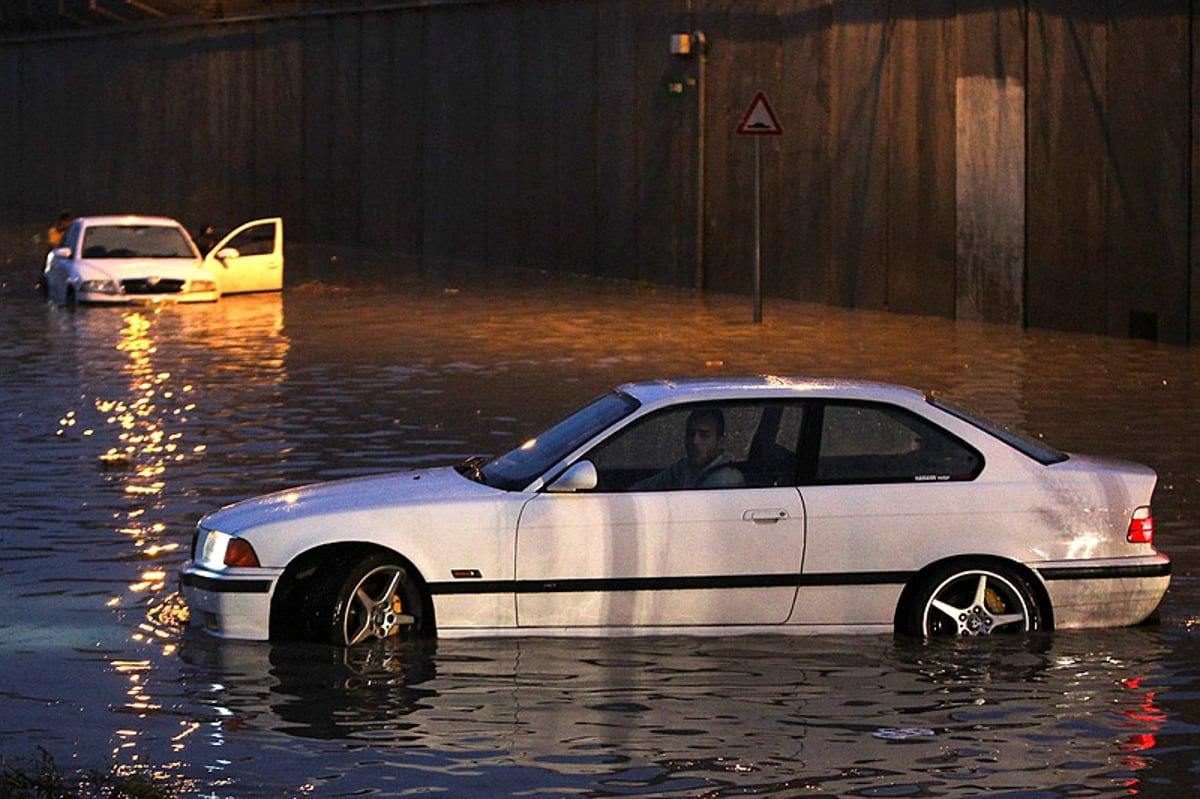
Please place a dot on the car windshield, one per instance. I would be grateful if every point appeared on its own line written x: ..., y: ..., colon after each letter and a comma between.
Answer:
x: 135, y: 241
x: 1035, y: 448
x: 518, y: 468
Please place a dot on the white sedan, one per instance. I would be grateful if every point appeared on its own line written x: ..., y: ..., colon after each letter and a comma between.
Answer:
x: 701, y: 506
x: 113, y: 260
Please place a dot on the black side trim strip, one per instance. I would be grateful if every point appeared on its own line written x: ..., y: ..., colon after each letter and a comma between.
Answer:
x: 251, y: 586
x: 1106, y: 572
x: 227, y: 586
x: 668, y: 583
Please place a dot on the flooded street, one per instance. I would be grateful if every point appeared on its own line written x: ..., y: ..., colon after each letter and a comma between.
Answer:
x: 119, y: 428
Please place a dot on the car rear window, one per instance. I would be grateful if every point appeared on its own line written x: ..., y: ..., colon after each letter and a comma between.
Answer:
x: 1034, y: 448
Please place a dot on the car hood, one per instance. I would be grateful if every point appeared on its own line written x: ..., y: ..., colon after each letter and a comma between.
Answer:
x: 127, y: 268
x: 391, y: 491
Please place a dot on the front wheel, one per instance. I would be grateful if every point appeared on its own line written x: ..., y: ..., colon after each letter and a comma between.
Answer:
x: 366, y: 599
x: 971, y: 600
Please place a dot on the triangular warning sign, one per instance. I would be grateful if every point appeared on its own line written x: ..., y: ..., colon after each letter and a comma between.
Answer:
x: 760, y: 120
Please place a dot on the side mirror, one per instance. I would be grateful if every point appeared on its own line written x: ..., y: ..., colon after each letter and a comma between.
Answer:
x: 579, y: 477
x: 62, y: 252
x: 227, y: 253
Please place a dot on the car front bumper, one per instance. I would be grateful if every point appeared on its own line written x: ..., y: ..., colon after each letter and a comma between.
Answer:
x: 230, y: 604
x: 98, y: 298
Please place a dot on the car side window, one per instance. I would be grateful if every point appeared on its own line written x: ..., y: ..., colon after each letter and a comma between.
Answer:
x: 875, y: 443
x: 256, y: 240
x: 702, y: 446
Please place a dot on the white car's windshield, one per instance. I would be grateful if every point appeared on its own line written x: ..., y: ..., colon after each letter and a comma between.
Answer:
x: 135, y: 241
x: 518, y: 468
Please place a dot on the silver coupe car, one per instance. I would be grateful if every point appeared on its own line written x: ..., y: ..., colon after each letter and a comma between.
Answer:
x: 705, y: 506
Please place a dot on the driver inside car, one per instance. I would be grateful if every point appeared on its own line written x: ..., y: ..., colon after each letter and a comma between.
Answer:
x: 706, y: 463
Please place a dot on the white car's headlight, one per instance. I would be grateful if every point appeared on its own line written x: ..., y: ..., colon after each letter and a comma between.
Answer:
x: 202, y: 285
x: 218, y: 550
x: 212, y: 549
x: 99, y: 287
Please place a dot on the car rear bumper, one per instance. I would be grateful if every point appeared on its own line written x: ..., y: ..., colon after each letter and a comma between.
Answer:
x: 1105, y: 593
x: 234, y: 604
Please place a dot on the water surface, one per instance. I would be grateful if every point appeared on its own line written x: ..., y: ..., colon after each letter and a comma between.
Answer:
x: 120, y: 427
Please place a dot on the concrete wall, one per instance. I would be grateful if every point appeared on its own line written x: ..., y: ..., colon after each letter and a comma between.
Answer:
x: 1017, y: 162
x: 1110, y: 159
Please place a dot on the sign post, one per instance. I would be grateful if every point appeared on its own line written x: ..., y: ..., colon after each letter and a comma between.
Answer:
x: 758, y: 121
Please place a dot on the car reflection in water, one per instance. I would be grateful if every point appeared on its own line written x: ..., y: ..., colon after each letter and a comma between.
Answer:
x: 605, y: 714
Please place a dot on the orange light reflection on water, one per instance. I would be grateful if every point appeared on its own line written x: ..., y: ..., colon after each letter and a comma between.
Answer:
x: 146, y: 421
x: 139, y: 423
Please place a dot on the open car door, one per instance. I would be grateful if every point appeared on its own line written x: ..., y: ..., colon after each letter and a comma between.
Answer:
x: 249, y: 258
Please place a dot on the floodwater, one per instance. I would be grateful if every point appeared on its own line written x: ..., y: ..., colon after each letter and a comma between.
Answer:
x: 119, y: 428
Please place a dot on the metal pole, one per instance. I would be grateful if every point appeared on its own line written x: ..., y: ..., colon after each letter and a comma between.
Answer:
x: 757, y: 233
x: 701, y: 43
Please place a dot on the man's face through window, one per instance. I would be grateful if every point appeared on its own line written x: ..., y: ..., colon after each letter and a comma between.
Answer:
x: 703, y: 441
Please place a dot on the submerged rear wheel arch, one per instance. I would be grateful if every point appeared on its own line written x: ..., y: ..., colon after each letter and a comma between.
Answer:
x: 909, y: 614
x: 308, y: 571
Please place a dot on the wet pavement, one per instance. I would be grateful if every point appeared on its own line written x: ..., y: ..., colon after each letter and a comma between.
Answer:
x: 119, y: 428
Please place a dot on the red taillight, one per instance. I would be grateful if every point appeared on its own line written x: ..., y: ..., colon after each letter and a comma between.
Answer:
x: 1141, y: 527
x: 240, y: 553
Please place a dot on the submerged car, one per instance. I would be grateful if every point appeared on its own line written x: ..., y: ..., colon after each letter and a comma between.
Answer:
x: 701, y: 506
x: 108, y: 260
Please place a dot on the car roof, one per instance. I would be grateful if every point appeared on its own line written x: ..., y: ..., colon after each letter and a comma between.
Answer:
x: 128, y: 219
x: 654, y: 392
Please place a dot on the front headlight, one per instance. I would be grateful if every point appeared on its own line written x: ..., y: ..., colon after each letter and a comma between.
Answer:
x: 213, y: 544
x: 99, y: 287
x: 202, y: 285
x: 218, y: 550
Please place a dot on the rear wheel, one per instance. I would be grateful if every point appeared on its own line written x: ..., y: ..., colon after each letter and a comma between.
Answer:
x: 972, y: 599
x: 370, y: 598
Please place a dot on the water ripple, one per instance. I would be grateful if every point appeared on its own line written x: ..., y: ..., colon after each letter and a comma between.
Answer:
x: 121, y: 427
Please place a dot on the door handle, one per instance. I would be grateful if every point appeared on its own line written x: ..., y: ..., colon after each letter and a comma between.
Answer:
x: 765, y: 516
